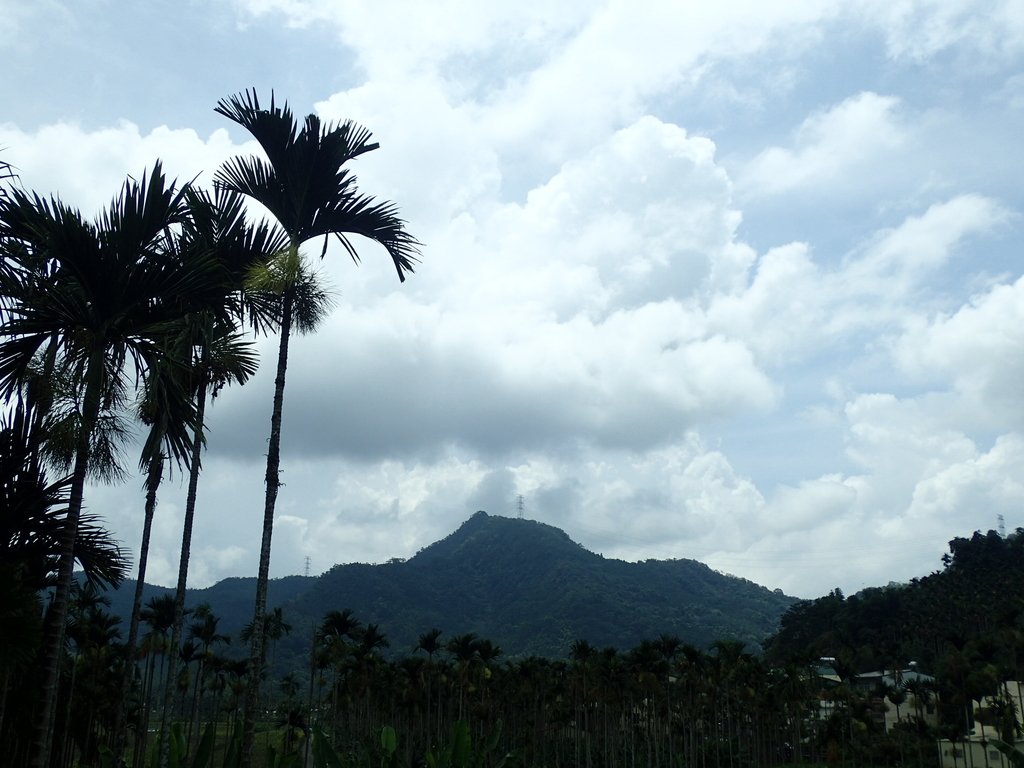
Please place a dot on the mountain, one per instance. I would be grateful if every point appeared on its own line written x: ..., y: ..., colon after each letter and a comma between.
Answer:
x: 524, y: 585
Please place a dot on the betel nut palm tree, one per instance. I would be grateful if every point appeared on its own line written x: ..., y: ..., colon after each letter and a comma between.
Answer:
x: 216, y: 352
x: 304, y: 182
x: 100, y: 294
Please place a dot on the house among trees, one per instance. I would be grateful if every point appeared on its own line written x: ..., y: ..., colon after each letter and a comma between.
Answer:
x: 900, y: 695
x: 904, y: 694
x: 996, y: 718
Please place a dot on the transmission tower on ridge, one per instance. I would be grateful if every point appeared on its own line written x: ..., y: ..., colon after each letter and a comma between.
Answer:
x: 1002, y: 526
x: 307, y: 566
x: 520, y: 506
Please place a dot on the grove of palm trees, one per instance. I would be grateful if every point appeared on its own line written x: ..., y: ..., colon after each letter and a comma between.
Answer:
x: 140, y: 311
x: 131, y: 321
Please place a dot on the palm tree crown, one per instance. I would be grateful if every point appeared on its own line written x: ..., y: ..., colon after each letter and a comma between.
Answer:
x: 303, y: 181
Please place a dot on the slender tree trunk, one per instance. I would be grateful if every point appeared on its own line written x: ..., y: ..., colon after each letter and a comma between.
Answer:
x: 4, y: 686
x: 142, y: 729
x: 307, y: 755
x: 186, y: 550
x: 53, y: 627
x: 65, y: 752
x: 273, y: 482
x: 156, y: 471
x: 194, y: 707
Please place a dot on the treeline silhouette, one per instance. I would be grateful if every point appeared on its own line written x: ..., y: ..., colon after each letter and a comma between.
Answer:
x: 663, y: 702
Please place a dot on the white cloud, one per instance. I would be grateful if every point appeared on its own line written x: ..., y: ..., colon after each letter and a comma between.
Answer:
x: 794, y: 307
x: 87, y: 168
x: 989, y: 482
x: 907, y: 255
x: 550, y: 80
x: 979, y: 349
x: 785, y: 306
x: 887, y: 433
x: 920, y: 29
x: 832, y: 149
x: 808, y: 506
x: 922, y: 482
x: 455, y: 165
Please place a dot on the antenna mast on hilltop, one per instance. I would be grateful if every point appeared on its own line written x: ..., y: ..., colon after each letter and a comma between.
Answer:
x: 1002, y: 526
x: 307, y: 566
x: 520, y: 506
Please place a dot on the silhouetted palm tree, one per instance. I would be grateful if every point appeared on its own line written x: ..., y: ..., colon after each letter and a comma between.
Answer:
x: 202, y: 630
x: 303, y: 183
x: 430, y: 644
x: 158, y: 613
x: 90, y: 696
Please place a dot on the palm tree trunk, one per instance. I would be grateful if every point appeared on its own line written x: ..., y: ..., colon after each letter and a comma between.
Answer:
x: 53, y: 627
x: 186, y: 550
x: 273, y: 483
x: 5, y: 681
x: 64, y: 750
x: 307, y: 755
x: 156, y: 471
x: 142, y: 729
x: 195, y: 716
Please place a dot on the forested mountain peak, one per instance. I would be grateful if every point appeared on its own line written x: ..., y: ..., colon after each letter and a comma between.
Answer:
x: 525, y: 585
x: 487, y: 534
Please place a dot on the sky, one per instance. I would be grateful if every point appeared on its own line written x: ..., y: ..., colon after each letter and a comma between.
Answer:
x: 733, y: 281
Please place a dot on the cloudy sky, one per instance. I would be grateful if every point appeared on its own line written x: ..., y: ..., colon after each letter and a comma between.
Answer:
x: 733, y: 281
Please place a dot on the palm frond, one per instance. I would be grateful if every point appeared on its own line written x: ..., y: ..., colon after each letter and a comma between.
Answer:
x: 103, y: 560
x: 117, y: 283
x: 167, y: 408
x: 141, y: 213
x: 219, y: 225
x: 311, y: 303
x: 31, y: 508
x: 227, y: 357
x: 106, y: 445
x: 379, y: 222
x: 274, y: 127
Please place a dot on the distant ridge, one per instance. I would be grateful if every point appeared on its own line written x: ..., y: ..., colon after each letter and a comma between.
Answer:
x: 524, y: 585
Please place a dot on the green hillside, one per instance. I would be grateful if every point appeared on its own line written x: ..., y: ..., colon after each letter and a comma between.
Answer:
x: 522, y: 584
x: 974, y: 606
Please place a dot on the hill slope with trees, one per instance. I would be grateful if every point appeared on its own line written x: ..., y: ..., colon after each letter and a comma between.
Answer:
x: 975, y: 603
x: 524, y: 585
